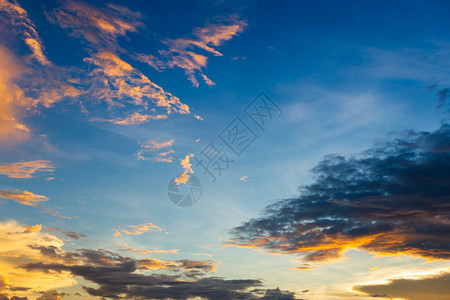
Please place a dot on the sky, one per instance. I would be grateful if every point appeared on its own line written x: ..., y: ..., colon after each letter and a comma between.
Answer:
x: 224, y: 150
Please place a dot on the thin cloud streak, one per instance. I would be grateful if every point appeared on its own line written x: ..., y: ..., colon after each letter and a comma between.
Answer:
x: 26, y: 169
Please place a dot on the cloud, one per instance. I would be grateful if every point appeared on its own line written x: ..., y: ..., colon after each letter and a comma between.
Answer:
x: 185, y: 264
x: 25, y: 169
x: 29, y: 85
x: 15, y: 250
x: 430, y: 287
x: 23, y: 197
x: 33, y: 261
x: 98, y: 26
x: 120, y: 85
x: 35, y: 228
x: 114, y: 80
x: 137, y: 229
x: 116, y: 276
x: 146, y: 251
x: 12, y: 130
x: 50, y: 295
x: 30, y: 199
x: 68, y: 234
x: 156, y: 151
x: 182, y: 52
x: 16, y: 16
x: 391, y: 199
x: 187, y: 166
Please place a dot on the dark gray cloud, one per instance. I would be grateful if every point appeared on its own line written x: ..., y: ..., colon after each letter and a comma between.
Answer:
x: 117, y: 275
x: 393, y: 198
x: 432, y: 287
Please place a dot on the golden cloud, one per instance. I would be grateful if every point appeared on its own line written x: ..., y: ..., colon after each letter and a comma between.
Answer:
x: 16, y: 240
x: 187, y: 166
x: 23, y: 197
x: 25, y: 169
x: 137, y: 229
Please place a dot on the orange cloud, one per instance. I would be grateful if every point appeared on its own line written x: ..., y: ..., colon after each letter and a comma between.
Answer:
x: 187, y: 166
x: 100, y: 26
x: 119, y: 84
x: 181, y: 52
x: 50, y: 295
x: 35, y: 228
x: 18, y: 17
x: 30, y: 199
x: 137, y: 229
x: 25, y: 169
x: 188, y: 265
x: 12, y: 131
x: 23, y: 197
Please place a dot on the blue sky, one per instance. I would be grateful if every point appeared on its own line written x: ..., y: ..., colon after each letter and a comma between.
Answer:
x: 105, y: 102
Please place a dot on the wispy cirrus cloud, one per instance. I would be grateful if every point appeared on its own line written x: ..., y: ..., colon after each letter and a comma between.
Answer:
x: 131, y: 96
x: 114, y: 80
x: 391, y: 199
x: 26, y: 169
x: 147, y: 251
x: 100, y: 26
x: 12, y: 130
x: 30, y: 199
x: 23, y: 197
x: 120, y: 85
x: 156, y: 151
x: 185, y: 53
x: 137, y: 229
x: 17, y: 17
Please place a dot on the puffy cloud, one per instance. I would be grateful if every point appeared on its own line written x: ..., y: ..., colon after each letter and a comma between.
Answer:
x: 25, y: 169
x: 156, y: 151
x: 137, y: 229
x: 23, y: 197
x: 391, y: 199
x: 431, y: 287
x: 187, y: 166
x: 182, y: 51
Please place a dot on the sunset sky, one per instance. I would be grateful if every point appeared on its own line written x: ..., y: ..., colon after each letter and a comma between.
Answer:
x: 224, y: 150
